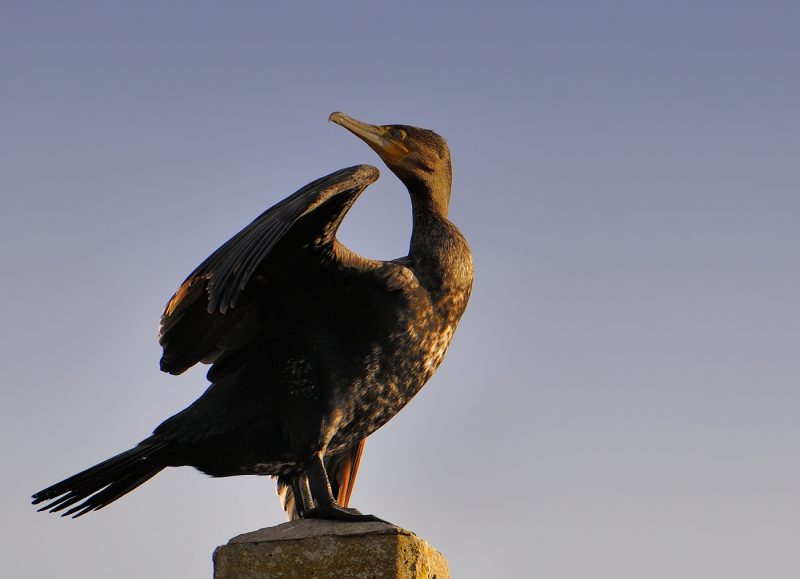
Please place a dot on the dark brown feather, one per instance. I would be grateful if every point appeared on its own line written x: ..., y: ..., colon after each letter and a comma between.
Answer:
x: 212, y: 311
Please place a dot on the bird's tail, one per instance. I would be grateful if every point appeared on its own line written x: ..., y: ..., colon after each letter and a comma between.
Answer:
x: 104, y: 483
x: 342, y: 470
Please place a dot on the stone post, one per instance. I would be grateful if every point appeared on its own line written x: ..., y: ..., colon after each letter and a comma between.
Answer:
x: 329, y: 549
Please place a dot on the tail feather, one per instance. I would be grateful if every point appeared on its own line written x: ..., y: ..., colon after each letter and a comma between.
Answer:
x: 103, y: 483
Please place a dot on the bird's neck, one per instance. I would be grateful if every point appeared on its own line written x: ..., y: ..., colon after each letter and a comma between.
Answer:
x: 429, y: 203
x: 439, y: 253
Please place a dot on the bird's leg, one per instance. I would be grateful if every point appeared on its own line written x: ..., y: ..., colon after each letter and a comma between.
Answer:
x: 302, y: 493
x: 327, y: 507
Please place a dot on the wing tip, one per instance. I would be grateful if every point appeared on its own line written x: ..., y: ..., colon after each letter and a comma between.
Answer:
x: 365, y: 174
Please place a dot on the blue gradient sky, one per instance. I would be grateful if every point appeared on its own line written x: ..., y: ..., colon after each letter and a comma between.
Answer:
x: 621, y: 399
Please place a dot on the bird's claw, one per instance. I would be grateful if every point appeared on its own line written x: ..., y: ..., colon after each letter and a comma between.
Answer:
x: 337, y: 513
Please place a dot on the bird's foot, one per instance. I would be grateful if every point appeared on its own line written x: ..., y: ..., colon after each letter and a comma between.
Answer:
x: 337, y: 513
x: 327, y: 507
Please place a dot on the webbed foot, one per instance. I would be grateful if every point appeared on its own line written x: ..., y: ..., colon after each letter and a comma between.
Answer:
x: 337, y: 513
x: 327, y: 507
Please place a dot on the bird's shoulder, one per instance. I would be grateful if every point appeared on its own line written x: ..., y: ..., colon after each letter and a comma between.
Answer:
x: 383, y: 276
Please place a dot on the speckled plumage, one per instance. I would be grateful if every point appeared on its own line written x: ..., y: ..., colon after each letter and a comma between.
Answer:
x: 313, y: 346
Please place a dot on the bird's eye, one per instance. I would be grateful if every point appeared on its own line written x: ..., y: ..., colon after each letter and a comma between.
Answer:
x: 398, y: 134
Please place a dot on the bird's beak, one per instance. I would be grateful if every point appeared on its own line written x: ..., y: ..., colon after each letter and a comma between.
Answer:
x: 390, y: 150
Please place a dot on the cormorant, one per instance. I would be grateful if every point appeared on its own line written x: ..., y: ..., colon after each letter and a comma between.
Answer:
x: 313, y: 347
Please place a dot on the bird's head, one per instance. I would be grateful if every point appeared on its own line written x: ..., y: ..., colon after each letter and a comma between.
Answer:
x: 419, y: 157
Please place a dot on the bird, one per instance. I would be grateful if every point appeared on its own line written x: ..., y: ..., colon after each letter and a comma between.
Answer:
x: 312, y: 346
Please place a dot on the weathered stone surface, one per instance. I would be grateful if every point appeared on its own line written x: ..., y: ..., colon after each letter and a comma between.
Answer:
x: 322, y: 549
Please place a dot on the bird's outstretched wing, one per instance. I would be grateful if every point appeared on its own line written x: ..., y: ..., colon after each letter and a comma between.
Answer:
x: 213, y: 311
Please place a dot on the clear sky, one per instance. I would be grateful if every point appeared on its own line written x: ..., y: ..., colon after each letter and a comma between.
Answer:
x: 621, y: 400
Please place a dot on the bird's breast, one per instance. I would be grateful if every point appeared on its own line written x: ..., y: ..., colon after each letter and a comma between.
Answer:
x: 394, y: 370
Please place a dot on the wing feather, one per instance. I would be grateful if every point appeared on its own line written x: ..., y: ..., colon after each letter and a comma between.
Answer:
x: 196, y: 319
